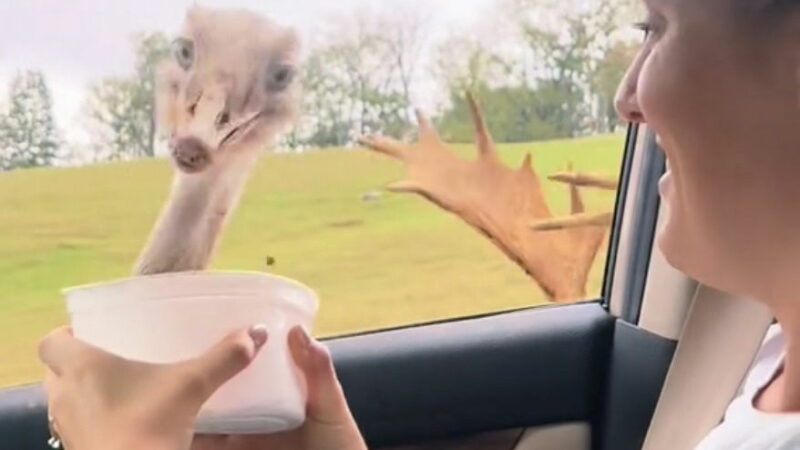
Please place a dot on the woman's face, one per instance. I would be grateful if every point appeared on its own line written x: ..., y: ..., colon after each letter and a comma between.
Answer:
x: 717, y: 80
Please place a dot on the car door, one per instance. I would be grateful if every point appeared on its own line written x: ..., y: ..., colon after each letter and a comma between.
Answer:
x: 581, y: 375
x: 578, y: 376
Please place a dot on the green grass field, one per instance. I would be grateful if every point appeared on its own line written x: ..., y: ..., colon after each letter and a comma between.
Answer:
x: 393, y: 262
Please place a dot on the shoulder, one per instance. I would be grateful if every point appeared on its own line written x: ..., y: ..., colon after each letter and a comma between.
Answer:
x: 746, y: 428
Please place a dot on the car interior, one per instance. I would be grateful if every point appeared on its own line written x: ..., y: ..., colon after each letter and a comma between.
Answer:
x: 589, y: 375
x: 651, y: 363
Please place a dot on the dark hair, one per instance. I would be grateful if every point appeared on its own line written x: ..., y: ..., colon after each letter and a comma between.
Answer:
x: 768, y: 9
x: 781, y: 5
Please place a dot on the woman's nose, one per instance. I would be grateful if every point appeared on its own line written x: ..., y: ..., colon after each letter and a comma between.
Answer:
x: 627, y: 102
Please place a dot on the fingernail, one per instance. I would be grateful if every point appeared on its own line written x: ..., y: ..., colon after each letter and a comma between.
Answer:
x: 258, y: 333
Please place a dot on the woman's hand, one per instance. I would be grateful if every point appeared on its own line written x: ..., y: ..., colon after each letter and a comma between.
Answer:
x: 329, y: 424
x: 99, y: 401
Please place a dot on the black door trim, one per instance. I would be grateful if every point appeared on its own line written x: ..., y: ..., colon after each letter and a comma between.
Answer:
x: 534, y: 367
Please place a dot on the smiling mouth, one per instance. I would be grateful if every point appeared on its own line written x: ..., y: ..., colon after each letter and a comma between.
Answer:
x: 665, y: 184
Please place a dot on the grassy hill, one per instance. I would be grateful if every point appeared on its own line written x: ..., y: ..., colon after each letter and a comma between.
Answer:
x: 392, y: 262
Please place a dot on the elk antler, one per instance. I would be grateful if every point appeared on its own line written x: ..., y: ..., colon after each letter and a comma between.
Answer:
x: 502, y: 203
x: 575, y: 179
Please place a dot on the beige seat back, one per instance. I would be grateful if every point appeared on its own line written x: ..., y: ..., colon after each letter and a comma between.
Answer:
x: 719, y: 341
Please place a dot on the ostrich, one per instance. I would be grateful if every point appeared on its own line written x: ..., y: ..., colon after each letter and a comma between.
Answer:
x: 227, y: 93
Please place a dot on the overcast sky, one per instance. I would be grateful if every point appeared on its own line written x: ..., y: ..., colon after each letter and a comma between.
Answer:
x: 75, y: 42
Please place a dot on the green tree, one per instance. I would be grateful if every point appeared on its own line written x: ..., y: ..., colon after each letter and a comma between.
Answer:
x: 606, y: 78
x: 464, y: 64
x: 564, y: 64
x: 552, y: 74
x: 122, y: 108
x: 513, y: 113
x: 584, y: 57
x: 359, y: 80
x: 28, y: 133
x: 327, y: 121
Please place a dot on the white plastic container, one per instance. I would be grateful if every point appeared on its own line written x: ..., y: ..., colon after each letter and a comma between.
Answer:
x: 173, y: 317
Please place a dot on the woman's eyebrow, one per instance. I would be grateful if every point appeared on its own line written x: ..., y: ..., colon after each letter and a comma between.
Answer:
x: 657, y: 6
x: 651, y: 3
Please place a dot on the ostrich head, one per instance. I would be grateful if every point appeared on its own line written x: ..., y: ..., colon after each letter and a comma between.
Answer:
x: 229, y: 87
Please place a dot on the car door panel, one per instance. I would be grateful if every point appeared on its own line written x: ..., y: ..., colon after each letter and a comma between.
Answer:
x: 533, y: 367
x: 638, y: 367
x: 497, y: 440
x: 461, y: 378
x: 23, y: 419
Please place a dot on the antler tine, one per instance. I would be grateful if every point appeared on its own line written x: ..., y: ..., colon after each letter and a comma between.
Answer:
x: 527, y: 164
x: 427, y: 132
x: 387, y: 146
x: 405, y: 186
x: 576, y: 200
x: 574, y: 221
x: 585, y: 180
x: 482, y: 135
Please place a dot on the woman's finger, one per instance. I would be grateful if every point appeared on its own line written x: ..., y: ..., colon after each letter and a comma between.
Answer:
x: 210, y: 442
x: 60, y: 349
x: 52, y: 386
x: 50, y: 383
x: 326, y: 400
x: 226, y: 359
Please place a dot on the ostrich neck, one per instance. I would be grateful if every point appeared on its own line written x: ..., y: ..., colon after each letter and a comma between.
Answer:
x: 187, y: 232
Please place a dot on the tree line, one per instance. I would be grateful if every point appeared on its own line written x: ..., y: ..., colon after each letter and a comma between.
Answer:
x: 541, y: 70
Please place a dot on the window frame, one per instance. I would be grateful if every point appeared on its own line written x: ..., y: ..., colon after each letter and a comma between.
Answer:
x: 632, y: 179
x: 637, y: 228
x: 526, y: 331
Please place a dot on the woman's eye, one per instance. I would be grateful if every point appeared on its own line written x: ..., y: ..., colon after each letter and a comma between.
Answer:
x: 644, y: 26
x: 281, y: 77
x: 653, y: 24
x: 184, y: 52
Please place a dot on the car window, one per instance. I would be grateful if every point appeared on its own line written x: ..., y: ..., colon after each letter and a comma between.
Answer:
x: 84, y: 172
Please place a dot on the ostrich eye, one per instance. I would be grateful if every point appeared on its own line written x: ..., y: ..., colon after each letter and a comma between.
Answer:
x: 280, y: 77
x: 183, y: 49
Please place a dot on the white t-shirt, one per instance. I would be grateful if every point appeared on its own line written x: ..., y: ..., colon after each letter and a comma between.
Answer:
x: 745, y: 427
